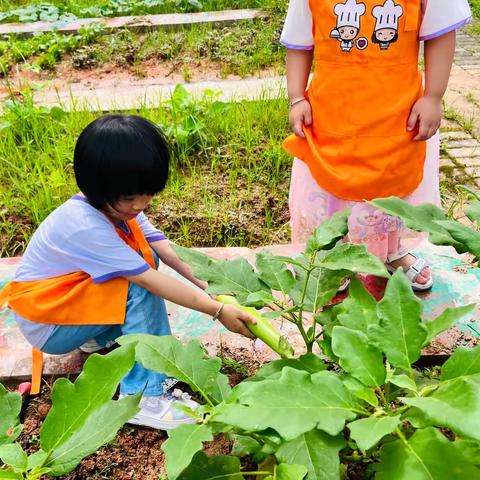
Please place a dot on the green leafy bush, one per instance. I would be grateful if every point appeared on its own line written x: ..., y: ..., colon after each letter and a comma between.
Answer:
x: 359, y: 400
x: 83, y: 417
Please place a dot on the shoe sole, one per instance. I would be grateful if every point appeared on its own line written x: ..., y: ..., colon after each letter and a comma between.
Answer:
x: 158, y: 424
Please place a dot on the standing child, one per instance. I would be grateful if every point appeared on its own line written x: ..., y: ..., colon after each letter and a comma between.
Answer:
x: 89, y: 271
x: 360, y: 130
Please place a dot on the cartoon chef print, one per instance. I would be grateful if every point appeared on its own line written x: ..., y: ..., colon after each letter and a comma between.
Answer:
x: 386, y: 26
x: 348, y: 23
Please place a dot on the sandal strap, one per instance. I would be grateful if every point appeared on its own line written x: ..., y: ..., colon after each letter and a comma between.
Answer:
x: 416, y: 269
x: 403, y: 252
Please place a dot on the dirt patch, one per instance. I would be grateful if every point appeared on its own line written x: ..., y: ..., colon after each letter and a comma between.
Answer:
x: 246, y: 215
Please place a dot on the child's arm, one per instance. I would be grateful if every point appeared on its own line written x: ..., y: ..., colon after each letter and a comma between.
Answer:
x: 175, y: 291
x: 299, y: 64
x: 427, y: 111
x: 170, y: 258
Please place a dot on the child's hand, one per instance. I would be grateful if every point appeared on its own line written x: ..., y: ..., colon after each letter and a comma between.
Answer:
x: 235, y: 319
x: 427, y: 114
x: 300, y: 115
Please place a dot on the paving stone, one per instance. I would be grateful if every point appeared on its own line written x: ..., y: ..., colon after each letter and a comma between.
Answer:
x: 464, y: 152
x: 454, y: 135
x: 467, y: 142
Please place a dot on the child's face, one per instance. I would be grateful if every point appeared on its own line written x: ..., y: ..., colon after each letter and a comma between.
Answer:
x: 348, y: 33
x: 385, y: 34
x: 127, y: 208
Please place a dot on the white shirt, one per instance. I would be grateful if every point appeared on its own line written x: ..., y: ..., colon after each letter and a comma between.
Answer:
x: 439, y: 17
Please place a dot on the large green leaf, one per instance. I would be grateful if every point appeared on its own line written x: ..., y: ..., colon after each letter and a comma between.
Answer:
x: 421, y: 218
x: 359, y: 390
x: 428, y: 455
x: 329, y: 232
x: 358, y: 356
x: 470, y: 449
x: 322, y: 286
x: 71, y: 430
x: 367, y: 432
x: 185, y: 362
x: 466, y: 236
x: 274, y: 272
x: 10, y: 474
x: 288, y: 472
x: 455, y: 404
x: 359, y: 308
x: 316, y: 450
x: 464, y: 361
x: 235, y: 277
x: 219, y: 467
x: 308, y: 362
x: 99, y: 428
x: 443, y: 322
x: 12, y: 454
x: 182, y: 444
x: 10, y: 406
x: 307, y: 401
x: 400, y: 333
x: 355, y: 258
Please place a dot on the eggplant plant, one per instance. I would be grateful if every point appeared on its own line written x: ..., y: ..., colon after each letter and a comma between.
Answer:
x: 70, y: 432
x: 354, y: 397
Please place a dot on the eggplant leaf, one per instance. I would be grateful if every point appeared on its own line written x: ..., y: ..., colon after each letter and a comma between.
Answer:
x: 427, y: 455
x: 186, y: 363
x: 401, y: 332
x: 322, y: 402
x: 317, y: 450
x: 182, y: 444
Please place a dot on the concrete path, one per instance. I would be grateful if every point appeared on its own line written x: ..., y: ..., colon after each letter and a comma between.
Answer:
x: 136, y: 23
x: 131, y: 96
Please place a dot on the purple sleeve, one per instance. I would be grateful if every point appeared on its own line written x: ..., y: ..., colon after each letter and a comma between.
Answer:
x: 151, y: 233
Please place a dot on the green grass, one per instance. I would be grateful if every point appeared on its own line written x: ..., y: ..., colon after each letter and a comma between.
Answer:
x: 475, y: 5
x: 228, y: 185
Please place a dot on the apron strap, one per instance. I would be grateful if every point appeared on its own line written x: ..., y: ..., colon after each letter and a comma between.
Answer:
x: 412, y: 21
x: 37, y: 369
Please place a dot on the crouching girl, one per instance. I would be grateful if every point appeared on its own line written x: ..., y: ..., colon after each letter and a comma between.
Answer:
x: 89, y: 271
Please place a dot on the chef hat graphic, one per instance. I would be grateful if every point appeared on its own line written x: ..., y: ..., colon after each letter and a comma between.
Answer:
x: 387, y: 15
x: 349, y: 13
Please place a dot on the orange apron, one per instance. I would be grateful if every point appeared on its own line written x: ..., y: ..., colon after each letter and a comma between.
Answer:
x: 366, y: 80
x: 74, y: 299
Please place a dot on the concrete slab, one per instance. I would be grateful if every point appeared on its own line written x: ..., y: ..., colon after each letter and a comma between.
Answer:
x: 455, y: 284
x: 131, y: 96
x: 136, y: 23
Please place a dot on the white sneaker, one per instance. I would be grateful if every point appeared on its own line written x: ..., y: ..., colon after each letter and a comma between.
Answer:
x: 92, y: 346
x: 160, y: 412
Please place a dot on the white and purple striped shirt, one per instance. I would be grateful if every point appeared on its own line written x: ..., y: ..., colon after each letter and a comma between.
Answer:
x: 77, y: 237
x: 439, y: 17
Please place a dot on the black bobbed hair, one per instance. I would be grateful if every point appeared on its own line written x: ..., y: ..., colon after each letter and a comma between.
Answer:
x: 118, y: 156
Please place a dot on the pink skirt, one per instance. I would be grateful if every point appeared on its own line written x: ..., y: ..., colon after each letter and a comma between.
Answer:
x: 384, y: 235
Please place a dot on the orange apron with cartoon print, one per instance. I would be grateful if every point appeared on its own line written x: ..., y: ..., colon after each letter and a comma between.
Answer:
x: 365, y: 83
x: 74, y: 299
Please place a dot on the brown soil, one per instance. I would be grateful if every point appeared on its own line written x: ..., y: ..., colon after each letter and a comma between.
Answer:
x: 246, y: 220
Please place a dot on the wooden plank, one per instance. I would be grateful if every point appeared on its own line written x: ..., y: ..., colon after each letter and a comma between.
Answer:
x: 136, y: 23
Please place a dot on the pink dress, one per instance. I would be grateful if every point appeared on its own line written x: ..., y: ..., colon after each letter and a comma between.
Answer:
x: 310, y: 205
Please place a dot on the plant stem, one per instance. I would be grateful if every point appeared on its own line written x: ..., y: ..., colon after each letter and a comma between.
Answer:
x: 308, y: 343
